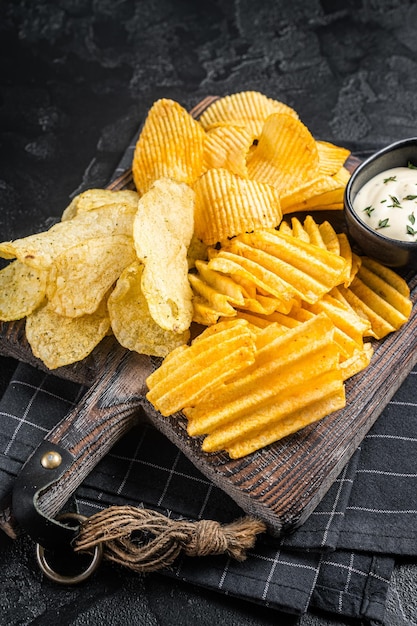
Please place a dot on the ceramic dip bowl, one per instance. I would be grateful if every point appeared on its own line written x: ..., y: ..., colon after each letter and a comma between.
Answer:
x: 381, y: 218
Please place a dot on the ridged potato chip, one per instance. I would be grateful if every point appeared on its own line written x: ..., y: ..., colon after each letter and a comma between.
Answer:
x: 22, y: 290
x: 170, y: 145
x: 245, y: 108
x: 286, y: 155
x: 380, y: 295
x: 189, y: 373
x: 331, y: 157
x: 329, y: 399
x: 131, y: 322
x: 162, y: 232
x: 238, y: 266
x: 58, y: 340
x: 279, y: 364
x: 309, y: 270
x: 80, y: 277
x: 228, y: 147
x: 227, y: 205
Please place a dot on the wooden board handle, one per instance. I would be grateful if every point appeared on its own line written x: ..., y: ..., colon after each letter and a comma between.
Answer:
x: 73, y: 448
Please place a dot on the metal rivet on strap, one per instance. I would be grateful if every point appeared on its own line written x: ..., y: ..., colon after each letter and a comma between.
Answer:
x: 51, y: 460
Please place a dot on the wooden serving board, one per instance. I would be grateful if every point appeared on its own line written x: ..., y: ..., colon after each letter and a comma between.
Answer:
x: 282, y: 483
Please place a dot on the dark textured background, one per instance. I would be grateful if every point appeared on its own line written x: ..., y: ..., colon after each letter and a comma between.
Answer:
x: 77, y: 77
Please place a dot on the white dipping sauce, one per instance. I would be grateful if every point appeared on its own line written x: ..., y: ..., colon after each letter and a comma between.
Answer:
x: 388, y: 203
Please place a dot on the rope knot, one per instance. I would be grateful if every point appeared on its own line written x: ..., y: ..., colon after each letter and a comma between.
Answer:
x: 205, y: 537
x: 146, y: 541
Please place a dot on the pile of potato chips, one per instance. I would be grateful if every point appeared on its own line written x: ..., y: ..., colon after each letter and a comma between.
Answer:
x: 282, y: 309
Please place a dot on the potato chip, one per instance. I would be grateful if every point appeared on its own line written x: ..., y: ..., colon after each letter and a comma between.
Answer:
x: 40, y: 250
x: 227, y: 205
x: 208, y: 314
x: 227, y: 147
x: 359, y: 360
x: 218, y: 301
x: 196, y: 250
x: 390, y: 279
x: 281, y: 364
x: 308, y: 271
x: 170, y: 145
x: 189, y: 373
x: 330, y: 238
x: 253, y: 403
x: 223, y: 284
x: 131, y: 322
x: 292, y: 405
x: 390, y: 292
x: 80, y: 276
x: 245, y: 108
x: 379, y: 325
x: 238, y: 266
x: 331, y: 398
x: 92, y: 199
x: 286, y: 156
x: 331, y: 157
x: 259, y: 320
x: 343, y: 317
x: 22, y: 290
x: 298, y: 230
x: 317, y: 193
x: 314, y: 233
x: 58, y: 340
x: 162, y: 232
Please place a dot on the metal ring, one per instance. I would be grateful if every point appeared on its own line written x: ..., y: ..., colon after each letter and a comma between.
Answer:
x: 61, y: 578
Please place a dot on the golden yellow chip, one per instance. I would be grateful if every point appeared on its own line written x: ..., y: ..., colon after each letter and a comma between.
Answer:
x: 227, y: 205
x: 389, y: 278
x: 316, y: 193
x: 288, y: 360
x: 330, y: 238
x: 286, y: 155
x: 331, y: 157
x: 245, y: 108
x: 80, y: 277
x: 162, y: 232
x: 93, y: 199
x: 221, y: 283
x: 131, y: 322
x: 308, y: 270
x: 290, y: 406
x: 218, y: 301
x: 314, y: 233
x: 298, y: 230
x: 22, y: 290
x: 331, y: 398
x: 343, y: 317
x: 253, y: 272
x: 59, y: 340
x: 352, y: 263
x: 379, y: 325
x: 40, y: 250
x: 206, y: 314
x: 285, y: 228
x: 357, y: 362
x: 170, y: 145
x: 389, y: 305
x: 189, y: 373
x: 227, y: 147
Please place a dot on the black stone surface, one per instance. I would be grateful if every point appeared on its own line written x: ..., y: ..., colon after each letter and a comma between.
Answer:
x: 77, y: 77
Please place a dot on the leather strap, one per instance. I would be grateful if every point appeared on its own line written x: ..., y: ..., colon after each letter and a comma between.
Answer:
x: 44, y: 467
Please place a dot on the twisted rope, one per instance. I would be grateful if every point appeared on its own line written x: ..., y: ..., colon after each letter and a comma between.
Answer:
x: 146, y: 541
